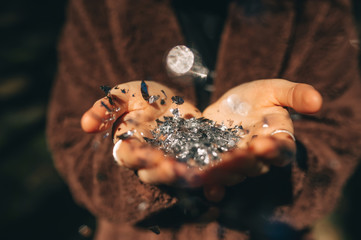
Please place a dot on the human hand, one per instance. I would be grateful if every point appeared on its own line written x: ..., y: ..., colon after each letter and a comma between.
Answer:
x: 132, y: 114
x: 259, y: 107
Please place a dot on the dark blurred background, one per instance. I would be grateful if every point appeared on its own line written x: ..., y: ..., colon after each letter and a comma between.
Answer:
x: 35, y: 202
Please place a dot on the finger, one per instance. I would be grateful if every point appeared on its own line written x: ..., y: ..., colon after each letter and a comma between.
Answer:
x: 220, y: 173
x: 278, y: 150
x: 133, y: 154
x: 271, y: 120
x: 301, y: 97
x: 101, y: 116
x: 123, y: 98
x: 241, y: 162
x: 214, y: 193
x: 170, y: 173
x: 224, y: 177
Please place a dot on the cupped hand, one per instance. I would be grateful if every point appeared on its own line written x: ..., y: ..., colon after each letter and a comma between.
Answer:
x: 132, y: 110
x: 259, y: 106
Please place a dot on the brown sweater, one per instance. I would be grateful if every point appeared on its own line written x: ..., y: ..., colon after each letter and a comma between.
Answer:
x: 112, y: 41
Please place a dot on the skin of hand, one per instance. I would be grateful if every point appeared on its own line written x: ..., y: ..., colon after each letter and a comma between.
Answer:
x: 131, y: 112
x: 258, y: 106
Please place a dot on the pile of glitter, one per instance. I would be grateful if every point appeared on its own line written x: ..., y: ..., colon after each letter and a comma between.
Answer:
x: 196, y: 141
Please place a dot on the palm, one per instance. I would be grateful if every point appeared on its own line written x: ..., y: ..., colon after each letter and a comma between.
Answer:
x: 140, y: 116
x: 133, y: 111
x: 259, y: 107
x: 250, y: 105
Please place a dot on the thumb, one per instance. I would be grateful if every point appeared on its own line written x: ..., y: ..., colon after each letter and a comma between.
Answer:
x: 301, y: 97
x: 100, y: 116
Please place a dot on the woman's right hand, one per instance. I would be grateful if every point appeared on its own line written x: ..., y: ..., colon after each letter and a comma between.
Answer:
x: 129, y: 109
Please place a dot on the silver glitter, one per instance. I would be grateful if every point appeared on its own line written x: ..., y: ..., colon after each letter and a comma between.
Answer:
x: 153, y: 98
x: 197, y: 141
x: 142, y: 206
x: 85, y: 231
x: 177, y: 100
x: 265, y: 123
x: 175, y: 112
x: 106, y: 135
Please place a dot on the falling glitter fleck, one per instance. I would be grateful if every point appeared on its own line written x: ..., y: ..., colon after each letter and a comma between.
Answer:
x: 106, y: 135
x: 85, y: 231
x: 105, y: 89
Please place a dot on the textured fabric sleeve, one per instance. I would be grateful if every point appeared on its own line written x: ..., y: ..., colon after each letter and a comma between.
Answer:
x: 324, y: 56
x: 88, y: 59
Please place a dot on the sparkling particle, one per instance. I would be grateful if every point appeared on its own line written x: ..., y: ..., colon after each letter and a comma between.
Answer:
x: 165, y: 95
x: 110, y: 100
x: 155, y: 229
x: 175, y: 112
x: 177, y: 100
x: 142, y: 206
x: 106, y: 135
x: 144, y: 90
x: 197, y: 142
x: 153, y: 99
x: 106, y: 107
x: 85, y: 231
x: 145, y: 93
x: 106, y: 89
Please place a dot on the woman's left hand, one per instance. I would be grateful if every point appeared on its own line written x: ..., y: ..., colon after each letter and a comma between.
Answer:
x: 259, y: 106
